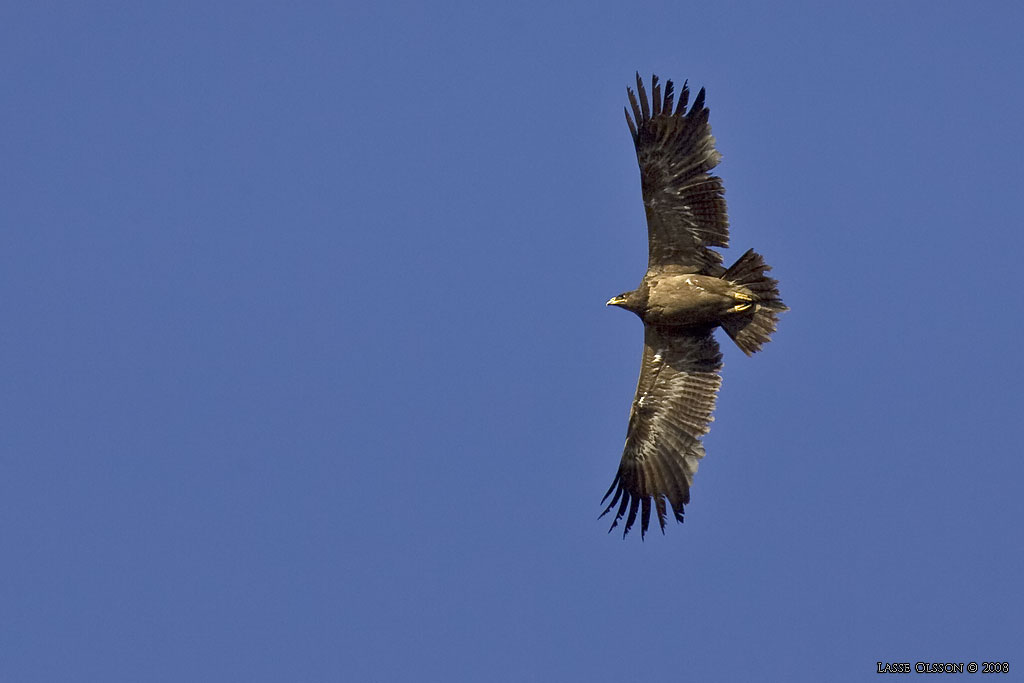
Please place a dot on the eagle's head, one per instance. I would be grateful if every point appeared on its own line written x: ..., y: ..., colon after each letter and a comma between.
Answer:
x: 634, y: 301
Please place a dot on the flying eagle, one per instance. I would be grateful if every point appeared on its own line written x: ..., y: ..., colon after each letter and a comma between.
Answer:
x: 685, y: 294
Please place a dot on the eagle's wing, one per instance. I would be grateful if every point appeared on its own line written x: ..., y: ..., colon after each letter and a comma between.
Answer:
x: 672, y: 409
x: 685, y: 205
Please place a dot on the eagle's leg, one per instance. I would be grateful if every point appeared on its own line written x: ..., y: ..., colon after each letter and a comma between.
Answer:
x: 744, y: 301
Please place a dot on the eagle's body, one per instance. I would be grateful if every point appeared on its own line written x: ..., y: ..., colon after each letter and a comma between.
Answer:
x: 685, y: 294
x: 686, y: 301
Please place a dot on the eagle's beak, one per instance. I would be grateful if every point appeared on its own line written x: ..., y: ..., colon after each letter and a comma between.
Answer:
x: 616, y: 301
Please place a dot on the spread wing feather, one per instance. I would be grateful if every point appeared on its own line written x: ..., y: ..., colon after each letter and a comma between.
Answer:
x: 675, y: 396
x: 685, y: 206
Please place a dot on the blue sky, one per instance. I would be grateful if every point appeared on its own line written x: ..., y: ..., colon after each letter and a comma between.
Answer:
x: 307, y: 373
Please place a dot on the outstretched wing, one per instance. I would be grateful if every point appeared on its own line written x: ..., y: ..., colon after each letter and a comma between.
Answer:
x: 685, y: 206
x: 672, y: 409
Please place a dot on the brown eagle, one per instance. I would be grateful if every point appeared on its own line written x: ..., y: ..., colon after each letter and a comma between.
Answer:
x: 685, y: 294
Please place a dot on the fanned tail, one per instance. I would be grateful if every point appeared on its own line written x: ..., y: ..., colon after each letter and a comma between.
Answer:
x: 753, y: 328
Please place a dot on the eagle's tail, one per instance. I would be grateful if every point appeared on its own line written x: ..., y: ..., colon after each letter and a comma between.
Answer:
x: 753, y: 327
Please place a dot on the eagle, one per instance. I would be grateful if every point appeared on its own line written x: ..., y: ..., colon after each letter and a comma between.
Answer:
x: 685, y: 294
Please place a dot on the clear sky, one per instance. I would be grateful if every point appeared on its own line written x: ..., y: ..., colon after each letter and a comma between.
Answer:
x: 307, y: 373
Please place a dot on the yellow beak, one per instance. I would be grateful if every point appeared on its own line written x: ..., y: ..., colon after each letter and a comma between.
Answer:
x: 615, y: 301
